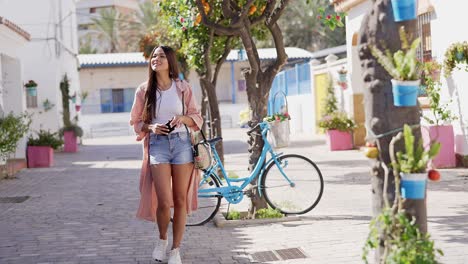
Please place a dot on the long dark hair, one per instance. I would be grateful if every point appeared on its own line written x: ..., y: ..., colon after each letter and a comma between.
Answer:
x: 152, y: 85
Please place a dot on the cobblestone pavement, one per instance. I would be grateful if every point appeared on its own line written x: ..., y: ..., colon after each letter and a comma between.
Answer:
x: 82, y: 211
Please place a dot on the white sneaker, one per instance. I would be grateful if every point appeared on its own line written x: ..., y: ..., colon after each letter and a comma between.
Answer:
x: 159, y: 252
x: 174, y: 257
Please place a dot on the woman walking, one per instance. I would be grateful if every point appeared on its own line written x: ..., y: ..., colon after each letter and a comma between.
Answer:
x: 163, y: 112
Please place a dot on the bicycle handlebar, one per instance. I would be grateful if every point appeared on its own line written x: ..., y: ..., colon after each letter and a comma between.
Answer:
x: 253, y: 128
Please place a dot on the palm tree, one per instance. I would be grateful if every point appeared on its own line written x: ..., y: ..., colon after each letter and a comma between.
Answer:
x: 110, y: 28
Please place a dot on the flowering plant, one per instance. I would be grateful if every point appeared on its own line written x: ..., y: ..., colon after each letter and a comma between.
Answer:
x: 332, y: 20
x: 342, y: 71
x: 337, y: 121
x: 31, y: 83
x: 280, y: 117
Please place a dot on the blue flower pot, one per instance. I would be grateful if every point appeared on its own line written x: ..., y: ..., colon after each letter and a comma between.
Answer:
x: 32, y: 91
x: 413, y: 185
x: 404, y: 9
x: 405, y: 93
x: 342, y: 77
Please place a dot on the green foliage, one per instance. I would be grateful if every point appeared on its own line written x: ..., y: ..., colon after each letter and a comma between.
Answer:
x: 65, y: 89
x: 277, y: 117
x: 456, y: 54
x: 45, y: 138
x: 30, y: 83
x: 331, y: 19
x: 268, y: 213
x: 403, y: 64
x: 110, y: 27
x: 330, y: 104
x: 77, y: 130
x: 12, y: 129
x: 404, y: 242
x: 440, y: 112
x: 414, y: 160
x: 337, y: 121
x: 233, y: 215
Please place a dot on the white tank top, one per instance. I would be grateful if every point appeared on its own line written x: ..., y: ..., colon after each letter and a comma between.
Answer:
x: 168, y: 105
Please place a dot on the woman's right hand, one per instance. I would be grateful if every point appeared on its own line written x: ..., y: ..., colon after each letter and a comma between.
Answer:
x: 159, y: 129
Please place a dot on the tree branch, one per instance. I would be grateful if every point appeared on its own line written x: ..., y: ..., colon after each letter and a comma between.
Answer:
x: 250, y: 48
x: 219, y: 63
x: 277, y: 13
x: 281, y: 56
x: 226, y: 6
x: 268, y: 10
x: 221, y: 30
x: 206, y: 55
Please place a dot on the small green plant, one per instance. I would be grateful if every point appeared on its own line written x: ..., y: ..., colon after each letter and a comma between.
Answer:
x: 233, y: 215
x: 45, y: 138
x: 440, y: 112
x: 331, y: 19
x: 330, y: 103
x: 30, y: 83
x: 403, y: 64
x: 414, y: 160
x: 456, y: 54
x: 268, y: 213
x: 77, y: 130
x: 12, y: 129
x: 403, y: 241
x: 47, y: 105
x: 277, y: 117
x: 337, y: 121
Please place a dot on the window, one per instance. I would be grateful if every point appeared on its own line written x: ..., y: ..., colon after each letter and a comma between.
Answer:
x: 92, y: 10
x: 116, y: 100
x: 424, y: 32
x: 31, y: 100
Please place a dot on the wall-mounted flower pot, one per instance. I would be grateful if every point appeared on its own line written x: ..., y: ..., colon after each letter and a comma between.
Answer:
x: 343, y: 85
x: 339, y: 140
x: 444, y: 135
x: 73, y: 99
x: 70, y: 142
x: 32, y: 91
x: 404, y: 9
x: 405, y: 93
x: 342, y: 77
x: 40, y: 156
x: 77, y: 108
x: 413, y: 185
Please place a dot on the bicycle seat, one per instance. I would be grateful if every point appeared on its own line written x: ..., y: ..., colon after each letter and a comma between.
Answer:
x: 213, y: 141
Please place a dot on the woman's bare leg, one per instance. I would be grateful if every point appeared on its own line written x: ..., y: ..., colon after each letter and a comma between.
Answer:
x: 180, y: 182
x: 162, y: 183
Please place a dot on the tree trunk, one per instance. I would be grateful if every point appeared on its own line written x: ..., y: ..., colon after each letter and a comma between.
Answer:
x: 215, y: 116
x: 381, y: 114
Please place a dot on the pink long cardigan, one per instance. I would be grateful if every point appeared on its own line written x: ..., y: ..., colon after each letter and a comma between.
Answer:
x: 148, y: 198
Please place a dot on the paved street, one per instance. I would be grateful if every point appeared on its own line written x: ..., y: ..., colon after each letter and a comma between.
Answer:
x: 82, y: 211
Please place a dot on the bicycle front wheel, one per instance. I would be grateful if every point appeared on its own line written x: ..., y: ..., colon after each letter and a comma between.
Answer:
x: 208, y: 202
x: 294, y: 186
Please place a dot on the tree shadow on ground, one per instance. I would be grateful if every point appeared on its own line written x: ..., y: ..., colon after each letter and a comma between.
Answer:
x: 454, y: 227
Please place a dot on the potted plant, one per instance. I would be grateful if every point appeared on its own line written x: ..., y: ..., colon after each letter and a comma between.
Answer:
x: 70, y: 134
x: 439, y: 128
x: 404, y: 69
x: 31, y: 87
x: 404, y: 10
x: 41, y: 149
x: 12, y: 129
x: 339, y: 130
x: 342, y: 78
x: 412, y: 165
x: 456, y: 54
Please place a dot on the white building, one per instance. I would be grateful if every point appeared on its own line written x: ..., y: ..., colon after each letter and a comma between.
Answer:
x: 440, y: 25
x: 49, y: 55
x: 12, y: 93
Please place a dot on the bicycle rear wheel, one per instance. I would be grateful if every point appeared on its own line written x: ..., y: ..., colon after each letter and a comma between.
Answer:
x: 302, y: 194
x: 208, y: 203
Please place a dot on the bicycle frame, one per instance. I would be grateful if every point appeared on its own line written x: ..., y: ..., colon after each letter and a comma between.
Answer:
x: 258, y: 171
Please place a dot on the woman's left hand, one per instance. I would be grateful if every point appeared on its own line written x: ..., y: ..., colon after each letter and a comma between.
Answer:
x: 179, y: 120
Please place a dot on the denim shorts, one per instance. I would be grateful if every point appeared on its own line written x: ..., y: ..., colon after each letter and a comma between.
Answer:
x: 175, y: 148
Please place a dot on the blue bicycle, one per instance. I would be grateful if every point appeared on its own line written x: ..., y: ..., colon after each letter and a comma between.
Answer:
x: 291, y: 183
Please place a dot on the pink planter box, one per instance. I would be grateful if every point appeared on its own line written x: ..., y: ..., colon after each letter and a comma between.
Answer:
x: 70, y: 142
x: 40, y: 156
x: 338, y: 140
x: 444, y: 135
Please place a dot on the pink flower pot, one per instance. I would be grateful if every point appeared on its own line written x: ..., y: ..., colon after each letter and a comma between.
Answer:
x: 40, y: 156
x: 77, y: 108
x: 339, y: 140
x: 70, y: 142
x: 444, y: 135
